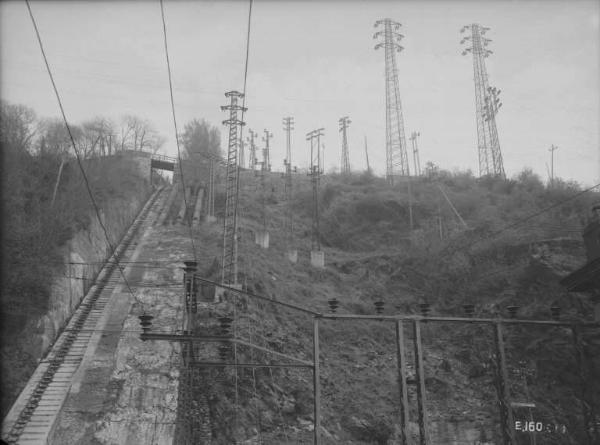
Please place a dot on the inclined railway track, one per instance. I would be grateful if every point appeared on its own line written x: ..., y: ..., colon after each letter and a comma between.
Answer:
x: 31, y: 419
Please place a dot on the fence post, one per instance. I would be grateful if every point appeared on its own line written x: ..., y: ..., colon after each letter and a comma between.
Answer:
x: 316, y: 382
x: 506, y: 416
x: 420, y: 371
x: 401, y: 358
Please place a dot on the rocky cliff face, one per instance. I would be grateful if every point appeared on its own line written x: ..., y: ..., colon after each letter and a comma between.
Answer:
x: 85, y: 251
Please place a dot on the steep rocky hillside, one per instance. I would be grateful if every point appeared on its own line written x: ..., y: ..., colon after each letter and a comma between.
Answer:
x: 40, y: 288
x: 475, y: 253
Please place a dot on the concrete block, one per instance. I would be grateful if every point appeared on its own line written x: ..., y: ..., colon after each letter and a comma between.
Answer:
x: 317, y: 258
x: 262, y: 239
x: 292, y: 255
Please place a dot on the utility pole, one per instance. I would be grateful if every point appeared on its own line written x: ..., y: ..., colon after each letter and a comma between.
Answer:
x: 266, y: 159
x: 229, y: 272
x: 345, y: 164
x: 552, y: 150
x: 288, y: 123
x: 417, y: 162
x: 396, y: 155
x: 262, y: 237
x: 252, y: 147
x: 367, y: 156
x: 242, y: 156
x: 486, y: 103
x: 317, y: 257
x: 210, y: 199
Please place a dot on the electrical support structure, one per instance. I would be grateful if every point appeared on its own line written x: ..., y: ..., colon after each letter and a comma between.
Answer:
x: 345, y: 164
x: 487, y: 103
x: 266, y: 151
x: 210, y: 199
x: 396, y: 154
x: 252, y: 148
x: 315, y: 172
x: 229, y: 272
x: 242, y: 155
x: 288, y: 123
x: 415, y: 148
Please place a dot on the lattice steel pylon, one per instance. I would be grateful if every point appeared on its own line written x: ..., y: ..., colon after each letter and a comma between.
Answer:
x: 486, y: 103
x: 345, y: 164
x: 415, y: 147
x: 229, y: 269
x: 315, y: 176
x: 266, y: 151
x: 395, y: 154
x: 252, y: 148
x: 288, y: 123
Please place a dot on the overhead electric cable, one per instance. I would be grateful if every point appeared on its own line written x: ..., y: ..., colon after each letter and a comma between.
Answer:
x: 77, y: 156
x: 162, y: 13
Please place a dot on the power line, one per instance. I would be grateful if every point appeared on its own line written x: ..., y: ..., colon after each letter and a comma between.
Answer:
x: 553, y: 206
x: 79, y: 163
x: 529, y: 217
x: 162, y: 13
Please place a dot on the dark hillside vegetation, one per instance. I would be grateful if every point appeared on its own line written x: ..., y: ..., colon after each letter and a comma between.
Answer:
x: 36, y: 224
x: 496, y: 256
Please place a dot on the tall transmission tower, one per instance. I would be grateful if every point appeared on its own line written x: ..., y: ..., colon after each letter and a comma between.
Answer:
x: 266, y: 156
x: 396, y: 156
x: 486, y: 103
x: 345, y: 165
x: 315, y: 176
x: 252, y: 148
x: 415, y: 147
x: 230, y: 252
x: 288, y: 123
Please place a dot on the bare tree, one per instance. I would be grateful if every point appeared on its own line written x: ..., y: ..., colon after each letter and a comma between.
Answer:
x: 18, y: 126
x: 54, y: 137
x: 139, y: 135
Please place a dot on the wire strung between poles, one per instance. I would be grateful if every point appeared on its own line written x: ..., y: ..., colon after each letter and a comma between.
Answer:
x: 77, y: 156
x: 191, y: 235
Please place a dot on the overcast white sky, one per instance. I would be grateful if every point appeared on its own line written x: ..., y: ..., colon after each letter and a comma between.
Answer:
x: 315, y: 61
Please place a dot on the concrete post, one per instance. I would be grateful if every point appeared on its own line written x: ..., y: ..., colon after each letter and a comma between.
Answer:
x: 292, y: 255
x: 198, y: 207
x: 317, y: 258
x: 261, y: 237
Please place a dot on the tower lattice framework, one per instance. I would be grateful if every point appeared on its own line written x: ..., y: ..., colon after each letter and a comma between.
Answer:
x: 252, y: 149
x: 288, y: 126
x: 486, y: 102
x: 345, y: 164
x: 315, y: 172
x: 396, y: 154
x: 229, y: 263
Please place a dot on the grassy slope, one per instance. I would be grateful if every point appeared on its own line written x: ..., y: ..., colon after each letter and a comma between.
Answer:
x: 369, y: 257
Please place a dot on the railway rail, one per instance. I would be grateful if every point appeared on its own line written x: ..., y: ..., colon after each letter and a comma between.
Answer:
x: 32, y: 417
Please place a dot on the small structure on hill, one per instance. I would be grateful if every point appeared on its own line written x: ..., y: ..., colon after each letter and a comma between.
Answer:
x: 587, y: 278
